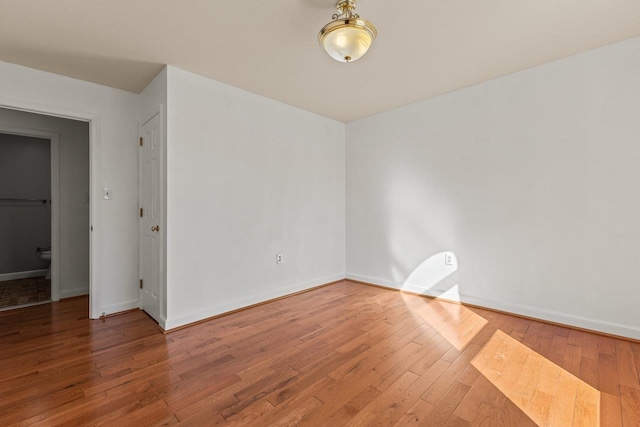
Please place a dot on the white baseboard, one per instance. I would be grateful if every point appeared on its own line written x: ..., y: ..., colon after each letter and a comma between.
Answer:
x: 373, y: 281
x: 22, y: 274
x: 518, y: 309
x: 215, y: 310
x: 163, y: 323
x: 31, y: 304
x: 70, y: 293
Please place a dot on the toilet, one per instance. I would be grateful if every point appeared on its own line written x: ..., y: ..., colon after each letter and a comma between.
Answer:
x: 46, y: 256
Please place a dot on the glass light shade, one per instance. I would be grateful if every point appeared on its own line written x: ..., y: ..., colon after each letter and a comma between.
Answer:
x: 347, y: 40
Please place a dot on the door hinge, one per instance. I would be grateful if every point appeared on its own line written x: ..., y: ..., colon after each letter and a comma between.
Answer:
x: 140, y: 283
x: 141, y: 211
x: 140, y: 141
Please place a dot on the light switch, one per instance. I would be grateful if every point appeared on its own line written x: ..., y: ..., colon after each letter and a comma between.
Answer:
x: 107, y: 194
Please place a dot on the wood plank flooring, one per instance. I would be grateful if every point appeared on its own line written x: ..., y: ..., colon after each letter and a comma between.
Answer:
x: 344, y: 354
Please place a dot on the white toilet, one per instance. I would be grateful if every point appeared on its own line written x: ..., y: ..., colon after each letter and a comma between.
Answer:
x: 46, y: 256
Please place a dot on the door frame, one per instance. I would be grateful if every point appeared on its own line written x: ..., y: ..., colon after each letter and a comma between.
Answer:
x: 94, y: 184
x: 54, y: 146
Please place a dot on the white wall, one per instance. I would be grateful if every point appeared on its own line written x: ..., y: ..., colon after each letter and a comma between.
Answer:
x: 114, y: 163
x: 247, y: 177
x: 532, y: 180
x: 25, y: 173
x: 74, y: 189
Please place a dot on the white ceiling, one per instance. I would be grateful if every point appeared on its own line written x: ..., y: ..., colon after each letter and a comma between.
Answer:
x: 424, y: 47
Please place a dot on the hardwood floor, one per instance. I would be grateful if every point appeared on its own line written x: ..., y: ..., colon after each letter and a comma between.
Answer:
x: 344, y: 354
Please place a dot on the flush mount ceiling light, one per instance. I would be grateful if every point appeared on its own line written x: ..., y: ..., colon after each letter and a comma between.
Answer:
x: 347, y: 38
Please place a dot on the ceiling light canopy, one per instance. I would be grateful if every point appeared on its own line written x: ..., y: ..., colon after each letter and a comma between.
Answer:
x: 347, y: 38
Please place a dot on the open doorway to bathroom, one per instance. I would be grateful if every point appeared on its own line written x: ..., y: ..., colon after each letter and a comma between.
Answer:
x: 25, y: 220
x: 44, y: 208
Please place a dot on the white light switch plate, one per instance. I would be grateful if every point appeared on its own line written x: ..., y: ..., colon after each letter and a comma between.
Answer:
x: 107, y: 194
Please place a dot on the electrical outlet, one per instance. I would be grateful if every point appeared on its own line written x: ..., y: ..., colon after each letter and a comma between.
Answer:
x: 278, y: 258
x: 448, y: 258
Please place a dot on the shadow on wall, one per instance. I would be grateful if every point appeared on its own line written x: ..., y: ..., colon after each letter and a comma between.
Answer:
x: 425, y: 278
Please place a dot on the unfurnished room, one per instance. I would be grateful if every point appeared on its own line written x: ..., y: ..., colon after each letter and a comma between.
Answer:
x: 319, y: 213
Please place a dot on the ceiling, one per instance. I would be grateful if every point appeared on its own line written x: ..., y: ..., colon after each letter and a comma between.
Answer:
x: 424, y: 47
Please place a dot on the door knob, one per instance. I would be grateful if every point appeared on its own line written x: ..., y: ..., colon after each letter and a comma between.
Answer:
x: 155, y: 228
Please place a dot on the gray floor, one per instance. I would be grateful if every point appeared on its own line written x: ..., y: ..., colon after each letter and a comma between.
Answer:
x: 24, y: 291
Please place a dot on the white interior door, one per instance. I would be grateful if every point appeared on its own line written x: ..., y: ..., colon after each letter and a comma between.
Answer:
x: 151, y: 224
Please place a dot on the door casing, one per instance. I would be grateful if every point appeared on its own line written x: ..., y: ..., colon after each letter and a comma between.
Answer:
x: 94, y: 180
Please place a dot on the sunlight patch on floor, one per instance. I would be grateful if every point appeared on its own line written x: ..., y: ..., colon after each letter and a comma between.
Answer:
x: 456, y: 323
x: 548, y: 394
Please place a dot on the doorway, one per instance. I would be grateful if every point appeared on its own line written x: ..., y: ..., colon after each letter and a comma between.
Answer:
x: 61, y: 259
x: 25, y: 220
